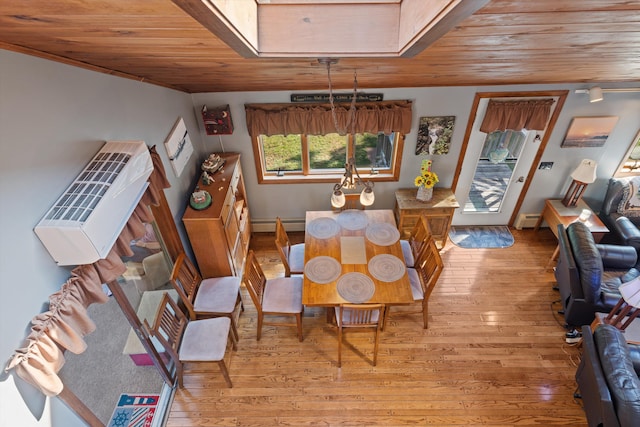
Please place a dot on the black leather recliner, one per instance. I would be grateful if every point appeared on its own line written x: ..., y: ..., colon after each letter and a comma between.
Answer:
x: 625, y: 229
x: 579, y: 273
x: 608, y: 378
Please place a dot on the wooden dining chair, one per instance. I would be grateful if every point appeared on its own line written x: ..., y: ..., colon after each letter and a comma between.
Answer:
x: 412, y: 246
x: 281, y: 296
x: 292, y: 256
x: 424, y: 277
x: 359, y: 317
x: 205, y: 298
x: 190, y: 341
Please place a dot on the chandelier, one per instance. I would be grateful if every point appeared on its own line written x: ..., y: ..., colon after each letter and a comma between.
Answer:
x: 351, y: 178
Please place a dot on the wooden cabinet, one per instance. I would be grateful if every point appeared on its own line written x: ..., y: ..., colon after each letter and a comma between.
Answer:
x: 220, y: 234
x: 439, y: 212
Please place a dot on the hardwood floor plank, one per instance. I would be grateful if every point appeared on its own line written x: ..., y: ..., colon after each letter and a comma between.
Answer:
x: 494, y: 355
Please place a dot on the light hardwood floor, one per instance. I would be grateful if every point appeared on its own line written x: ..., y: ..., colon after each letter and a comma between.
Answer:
x: 494, y: 355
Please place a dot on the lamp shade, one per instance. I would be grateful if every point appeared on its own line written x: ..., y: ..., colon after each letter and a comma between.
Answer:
x: 367, y: 197
x: 337, y: 199
x: 630, y: 291
x: 585, y: 172
x: 595, y: 94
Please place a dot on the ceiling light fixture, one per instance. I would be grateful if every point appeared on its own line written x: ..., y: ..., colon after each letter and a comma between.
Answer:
x: 351, y: 178
x: 596, y: 92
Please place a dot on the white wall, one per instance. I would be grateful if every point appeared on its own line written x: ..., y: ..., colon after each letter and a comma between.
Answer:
x: 291, y: 201
x: 54, y: 117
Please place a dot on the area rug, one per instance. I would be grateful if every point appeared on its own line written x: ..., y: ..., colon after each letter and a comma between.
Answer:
x: 481, y: 237
x: 134, y: 410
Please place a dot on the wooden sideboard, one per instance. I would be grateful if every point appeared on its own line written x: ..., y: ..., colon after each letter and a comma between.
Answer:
x: 439, y: 212
x: 220, y: 233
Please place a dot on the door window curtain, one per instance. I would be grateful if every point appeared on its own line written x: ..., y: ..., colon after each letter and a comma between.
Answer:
x: 516, y: 115
x: 65, y: 323
x: 317, y: 119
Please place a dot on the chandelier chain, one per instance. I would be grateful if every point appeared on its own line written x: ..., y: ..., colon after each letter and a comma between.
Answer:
x: 352, y: 109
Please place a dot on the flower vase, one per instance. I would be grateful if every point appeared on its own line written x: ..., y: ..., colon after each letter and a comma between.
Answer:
x: 424, y: 194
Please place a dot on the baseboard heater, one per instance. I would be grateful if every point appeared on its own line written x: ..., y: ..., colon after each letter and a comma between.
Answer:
x: 269, y: 225
x: 527, y: 220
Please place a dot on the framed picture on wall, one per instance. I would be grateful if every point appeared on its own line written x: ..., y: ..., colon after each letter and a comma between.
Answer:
x: 179, y: 147
x: 434, y: 135
x: 589, y: 131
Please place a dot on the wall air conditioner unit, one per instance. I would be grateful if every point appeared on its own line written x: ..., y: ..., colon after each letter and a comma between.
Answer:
x: 86, y: 220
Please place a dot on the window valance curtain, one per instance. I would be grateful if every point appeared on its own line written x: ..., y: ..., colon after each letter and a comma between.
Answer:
x: 316, y: 119
x: 63, y: 326
x: 516, y: 115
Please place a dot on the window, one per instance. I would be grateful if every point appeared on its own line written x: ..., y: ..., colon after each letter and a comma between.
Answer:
x: 293, y: 142
x: 630, y: 164
x: 321, y: 158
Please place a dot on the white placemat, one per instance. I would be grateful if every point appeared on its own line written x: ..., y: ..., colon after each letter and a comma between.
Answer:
x: 322, y: 269
x: 382, y: 233
x: 323, y: 228
x: 356, y: 287
x: 353, y: 219
x: 353, y: 250
x: 386, y: 267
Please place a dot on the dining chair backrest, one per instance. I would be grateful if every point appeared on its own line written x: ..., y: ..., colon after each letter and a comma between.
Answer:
x: 284, y: 245
x: 420, y: 234
x: 168, y: 326
x: 254, y: 279
x: 186, y: 279
x: 429, y: 267
x: 359, y: 316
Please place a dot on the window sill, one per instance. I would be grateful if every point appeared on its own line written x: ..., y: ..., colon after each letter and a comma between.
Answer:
x: 321, y: 178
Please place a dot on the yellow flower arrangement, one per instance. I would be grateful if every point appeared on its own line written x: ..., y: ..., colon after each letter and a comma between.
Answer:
x: 426, y: 179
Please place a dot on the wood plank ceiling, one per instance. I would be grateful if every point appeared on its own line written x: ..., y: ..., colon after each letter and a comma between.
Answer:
x: 504, y: 42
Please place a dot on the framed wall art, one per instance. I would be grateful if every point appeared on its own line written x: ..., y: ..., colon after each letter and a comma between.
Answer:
x: 589, y: 131
x: 179, y: 147
x: 434, y: 135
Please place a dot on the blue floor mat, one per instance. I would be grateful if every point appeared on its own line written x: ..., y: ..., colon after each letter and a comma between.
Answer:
x: 472, y: 237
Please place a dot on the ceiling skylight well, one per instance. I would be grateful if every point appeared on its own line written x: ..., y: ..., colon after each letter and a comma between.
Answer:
x: 329, y: 28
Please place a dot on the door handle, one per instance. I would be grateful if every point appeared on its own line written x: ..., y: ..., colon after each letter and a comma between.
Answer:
x: 521, y: 179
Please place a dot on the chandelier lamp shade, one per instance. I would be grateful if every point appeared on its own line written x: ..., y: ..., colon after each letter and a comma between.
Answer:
x: 351, y: 178
x: 582, y: 176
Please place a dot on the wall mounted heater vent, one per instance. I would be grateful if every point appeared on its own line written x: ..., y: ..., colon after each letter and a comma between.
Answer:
x: 526, y: 221
x: 83, y: 224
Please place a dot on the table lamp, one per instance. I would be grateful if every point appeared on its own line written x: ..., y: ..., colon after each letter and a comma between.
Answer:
x: 627, y: 307
x: 583, y: 175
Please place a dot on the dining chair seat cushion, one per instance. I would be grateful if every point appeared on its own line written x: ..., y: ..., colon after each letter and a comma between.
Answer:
x: 346, y: 315
x: 407, y: 253
x: 283, y: 295
x: 296, y: 258
x: 205, y: 340
x: 416, y: 286
x: 217, y: 295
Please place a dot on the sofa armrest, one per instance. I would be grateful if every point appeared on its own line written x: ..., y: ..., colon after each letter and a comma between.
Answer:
x: 627, y: 231
x: 598, y: 405
x: 617, y: 366
x: 617, y: 257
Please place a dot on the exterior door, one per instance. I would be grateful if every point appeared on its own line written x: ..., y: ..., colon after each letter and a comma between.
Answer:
x: 496, y: 169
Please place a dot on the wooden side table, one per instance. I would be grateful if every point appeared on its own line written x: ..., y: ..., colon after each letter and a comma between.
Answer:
x: 438, y: 211
x: 555, y: 213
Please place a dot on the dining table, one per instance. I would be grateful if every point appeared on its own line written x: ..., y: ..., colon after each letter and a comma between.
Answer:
x: 354, y: 256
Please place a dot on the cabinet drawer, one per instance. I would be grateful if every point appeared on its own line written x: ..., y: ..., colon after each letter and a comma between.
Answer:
x: 229, y: 201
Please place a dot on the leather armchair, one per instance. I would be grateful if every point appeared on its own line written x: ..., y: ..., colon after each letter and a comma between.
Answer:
x: 608, y: 378
x: 625, y: 229
x: 579, y: 273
